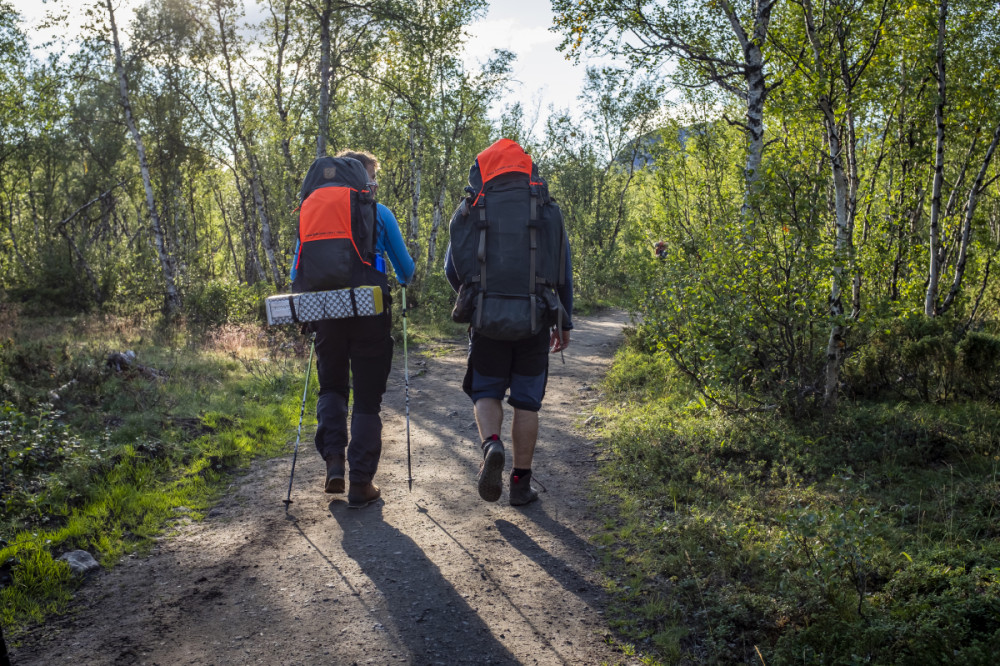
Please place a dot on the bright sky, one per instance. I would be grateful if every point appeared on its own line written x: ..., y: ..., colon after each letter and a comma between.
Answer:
x: 542, y: 75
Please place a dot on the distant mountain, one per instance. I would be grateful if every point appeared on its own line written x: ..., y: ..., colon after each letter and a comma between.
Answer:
x: 647, y: 144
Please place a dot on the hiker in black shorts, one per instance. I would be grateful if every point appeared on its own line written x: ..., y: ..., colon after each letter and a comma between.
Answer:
x: 501, y: 362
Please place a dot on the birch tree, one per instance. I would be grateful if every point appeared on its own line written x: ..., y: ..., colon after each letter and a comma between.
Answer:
x: 284, y: 75
x: 224, y: 15
x: 963, y: 41
x: 173, y: 299
x: 839, y: 41
x: 420, y: 67
x: 718, y: 44
x: 344, y: 27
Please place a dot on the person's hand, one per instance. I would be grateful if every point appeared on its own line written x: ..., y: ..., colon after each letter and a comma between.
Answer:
x: 558, y: 341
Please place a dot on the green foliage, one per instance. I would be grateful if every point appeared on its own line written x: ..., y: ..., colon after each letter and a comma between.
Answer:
x: 131, y: 448
x: 979, y: 357
x: 868, y: 535
x: 737, y: 305
x: 429, y: 314
x: 56, y: 288
x: 45, y: 466
x: 212, y: 303
x: 592, y: 173
x: 925, y: 359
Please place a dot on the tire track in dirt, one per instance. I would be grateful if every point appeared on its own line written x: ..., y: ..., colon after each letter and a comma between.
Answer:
x: 436, y: 576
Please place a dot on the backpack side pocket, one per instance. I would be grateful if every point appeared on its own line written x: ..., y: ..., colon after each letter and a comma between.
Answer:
x: 465, y: 304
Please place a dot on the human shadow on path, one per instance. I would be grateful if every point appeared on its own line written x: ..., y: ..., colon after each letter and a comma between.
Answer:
x: 486, y: 575
x: 559, y: 569
x: 419, y: 606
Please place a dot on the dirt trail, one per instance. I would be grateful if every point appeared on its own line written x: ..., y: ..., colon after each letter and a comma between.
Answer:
x: 436, y: 576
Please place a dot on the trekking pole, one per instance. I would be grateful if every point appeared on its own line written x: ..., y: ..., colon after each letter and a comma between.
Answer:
x: 406, y: 381
x: 302, y: 413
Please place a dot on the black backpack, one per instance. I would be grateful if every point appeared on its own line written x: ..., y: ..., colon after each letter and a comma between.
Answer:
x: 508, y: 246
x: 336, y: 228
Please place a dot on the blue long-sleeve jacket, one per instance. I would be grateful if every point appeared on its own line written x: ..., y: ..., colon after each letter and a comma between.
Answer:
x: 389, y: 243
x: 565, y: 290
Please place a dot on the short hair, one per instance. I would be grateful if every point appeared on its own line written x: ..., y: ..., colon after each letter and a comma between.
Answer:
x: 368, y: 161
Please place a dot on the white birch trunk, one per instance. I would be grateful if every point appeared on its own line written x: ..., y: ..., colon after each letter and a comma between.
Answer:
x: 844, y: 190
x: 416, y: 176
x: 256, y: 188
x: 436, y: 221
x: 934, y: 240
x: 173, y: 299
x: 265, y: 223
x: 323, y: 113
x: 970, y: 209
x: 282, y: 34
x: 756, y: 94
x: 842, y: 250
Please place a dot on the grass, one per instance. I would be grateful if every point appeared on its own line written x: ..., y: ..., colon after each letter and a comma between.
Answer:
x: 866, y: 537
x: 105, y: 460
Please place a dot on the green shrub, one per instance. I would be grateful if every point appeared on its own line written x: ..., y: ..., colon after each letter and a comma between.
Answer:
x: 216, y: 302
x: 33, y: 447
x: 56, y: 288
x: 924, y: 358
x: 979, y: 358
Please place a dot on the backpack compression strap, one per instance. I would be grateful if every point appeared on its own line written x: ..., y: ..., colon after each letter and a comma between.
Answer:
x: 532, y: 248
x: 483, y: 224
x: 561, y: 280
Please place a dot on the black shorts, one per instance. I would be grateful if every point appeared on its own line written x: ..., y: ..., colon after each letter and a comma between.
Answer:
x: 522, y: 366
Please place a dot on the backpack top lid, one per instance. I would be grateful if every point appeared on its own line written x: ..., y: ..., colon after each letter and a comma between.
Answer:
x: 504, y: 156
x: 339, y: 171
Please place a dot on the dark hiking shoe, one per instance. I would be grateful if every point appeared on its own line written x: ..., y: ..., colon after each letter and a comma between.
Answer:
x: 361, y: 495
x: 490, y: 478
x: 521, y: 492
x: 335, y: 475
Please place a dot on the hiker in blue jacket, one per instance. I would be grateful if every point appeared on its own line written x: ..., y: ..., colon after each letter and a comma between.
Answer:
x: 358, y: 347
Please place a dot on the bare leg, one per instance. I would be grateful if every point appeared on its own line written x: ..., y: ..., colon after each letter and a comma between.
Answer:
x: 524, y: 433
x: 489, y: 417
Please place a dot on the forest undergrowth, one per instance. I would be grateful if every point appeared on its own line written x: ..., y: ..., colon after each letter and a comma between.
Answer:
x: 867, y: 536
x: 111, y: 432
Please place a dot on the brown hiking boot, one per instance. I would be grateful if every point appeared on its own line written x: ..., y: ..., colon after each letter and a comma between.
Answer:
x: 490, y: 478
x: 335, y: 475
x: 521, y: 492
x: 361, y: 495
